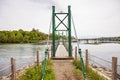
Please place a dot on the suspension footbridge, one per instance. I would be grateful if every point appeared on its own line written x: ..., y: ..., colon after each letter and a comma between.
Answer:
x: 61, y: 50
x: 61, y: 53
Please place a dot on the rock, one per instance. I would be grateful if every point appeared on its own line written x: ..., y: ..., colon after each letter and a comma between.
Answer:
x: 94, y: 66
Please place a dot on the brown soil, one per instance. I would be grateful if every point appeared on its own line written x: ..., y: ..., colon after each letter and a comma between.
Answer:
x: 64, y: 70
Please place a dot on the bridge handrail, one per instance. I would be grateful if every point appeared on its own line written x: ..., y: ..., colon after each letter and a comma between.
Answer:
x: 65, y: 44
x: 82, y: 63
x: 44, y: 64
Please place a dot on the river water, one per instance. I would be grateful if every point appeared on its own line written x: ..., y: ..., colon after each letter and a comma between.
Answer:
x: 26, y: 53
x: 23, y: 54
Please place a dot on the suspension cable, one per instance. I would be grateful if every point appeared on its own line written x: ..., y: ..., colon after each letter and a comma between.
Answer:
x: 46, y: 53
x: 75, y: 32
x: 82, y: 62
x: 49, y: 32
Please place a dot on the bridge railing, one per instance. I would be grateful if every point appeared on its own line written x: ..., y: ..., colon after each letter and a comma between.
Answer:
x: 57, y: 42
x: 44, y: 63
x: 65, y: 43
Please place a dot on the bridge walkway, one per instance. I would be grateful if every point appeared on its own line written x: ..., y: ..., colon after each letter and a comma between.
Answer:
x: 64, y: 69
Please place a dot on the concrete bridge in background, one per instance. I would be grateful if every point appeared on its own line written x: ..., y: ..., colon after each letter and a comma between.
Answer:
x: 99, y: 40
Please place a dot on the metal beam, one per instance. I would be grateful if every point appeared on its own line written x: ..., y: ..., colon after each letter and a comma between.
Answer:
x: 53, y: 31
x: 69, y: 31
x: 61, y: 13
x: 61, y: 30
x: 61, y: 21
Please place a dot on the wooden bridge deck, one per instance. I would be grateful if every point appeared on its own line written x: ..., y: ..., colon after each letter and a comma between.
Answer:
x: 62, y: 65
x: 61, y: 54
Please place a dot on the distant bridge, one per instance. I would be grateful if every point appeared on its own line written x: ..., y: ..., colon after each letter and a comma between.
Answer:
x: 99, y: 40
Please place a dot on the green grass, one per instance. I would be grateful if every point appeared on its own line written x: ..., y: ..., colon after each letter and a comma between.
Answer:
x: 90, y: 74
x: 78, y: 74
x: 35, y: 73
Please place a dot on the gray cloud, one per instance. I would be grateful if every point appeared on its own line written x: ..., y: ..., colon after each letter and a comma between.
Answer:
x: 47, y: 3
x: 92, y: 17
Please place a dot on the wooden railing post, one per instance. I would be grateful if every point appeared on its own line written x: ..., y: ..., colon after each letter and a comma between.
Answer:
x: 114, y: 68
x: 13, y: 69
x: 75, y: 53
x: 37, y: 58
x: 87, y: 62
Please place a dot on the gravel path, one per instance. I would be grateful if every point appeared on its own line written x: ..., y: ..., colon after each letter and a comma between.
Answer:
x: 64, y: 70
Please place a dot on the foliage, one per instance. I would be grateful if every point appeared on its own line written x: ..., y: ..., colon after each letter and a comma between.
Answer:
x: 58, y: 36
x: 21, y: 36
x: 49, y: 75
x: 91, y: 75
x: 78, y: 74
x: 31, y: 74
x: 35, y: 73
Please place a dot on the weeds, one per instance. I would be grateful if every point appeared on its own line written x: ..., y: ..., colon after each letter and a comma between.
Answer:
x: 35, y: 73
x: 91, y: 75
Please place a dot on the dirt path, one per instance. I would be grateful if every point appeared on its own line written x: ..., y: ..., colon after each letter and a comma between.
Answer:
x: 64, y: 70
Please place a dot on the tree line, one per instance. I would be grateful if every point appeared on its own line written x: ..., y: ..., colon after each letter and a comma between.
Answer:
x: 21, y: 36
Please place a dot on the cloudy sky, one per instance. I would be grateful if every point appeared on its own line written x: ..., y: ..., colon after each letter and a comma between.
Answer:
x: 93, y: 18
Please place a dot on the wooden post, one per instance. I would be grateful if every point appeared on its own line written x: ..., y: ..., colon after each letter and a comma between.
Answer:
x: 87, y: 62
x: 75, y: 53
x: 13, y: 69
x: 37, y: 58
x: 114, y: 68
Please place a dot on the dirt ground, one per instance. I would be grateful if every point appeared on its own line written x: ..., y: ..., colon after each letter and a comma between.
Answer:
x: 64, y: 70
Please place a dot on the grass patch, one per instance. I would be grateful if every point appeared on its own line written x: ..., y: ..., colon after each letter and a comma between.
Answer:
x: 78, y: 74
x: 90, y: 74
x: 35, y: 73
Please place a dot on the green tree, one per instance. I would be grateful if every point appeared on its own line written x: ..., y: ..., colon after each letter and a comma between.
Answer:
x: 2, y: 37
x: 11, y: 37
x: 18, y: 37
x: 26, y: 39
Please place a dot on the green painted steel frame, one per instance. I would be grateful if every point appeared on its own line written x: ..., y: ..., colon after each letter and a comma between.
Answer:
x: 68, y: 28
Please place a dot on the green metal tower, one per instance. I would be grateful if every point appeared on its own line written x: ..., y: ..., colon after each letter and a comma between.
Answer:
x: 55, y: 28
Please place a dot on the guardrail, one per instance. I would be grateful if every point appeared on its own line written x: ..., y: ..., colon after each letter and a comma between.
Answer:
x: 44, y: 63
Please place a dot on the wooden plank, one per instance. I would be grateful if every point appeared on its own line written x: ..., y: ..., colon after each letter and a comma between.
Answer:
x: 61, y: 51
x: 118, y: 76
x: 61, y: 54
x: 62, y: 58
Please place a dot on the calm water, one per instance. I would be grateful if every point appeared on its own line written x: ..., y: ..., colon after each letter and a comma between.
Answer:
x: 26, y: 53
x: 103, y: 54
x: 105, y: 51
x: 23, y: 53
